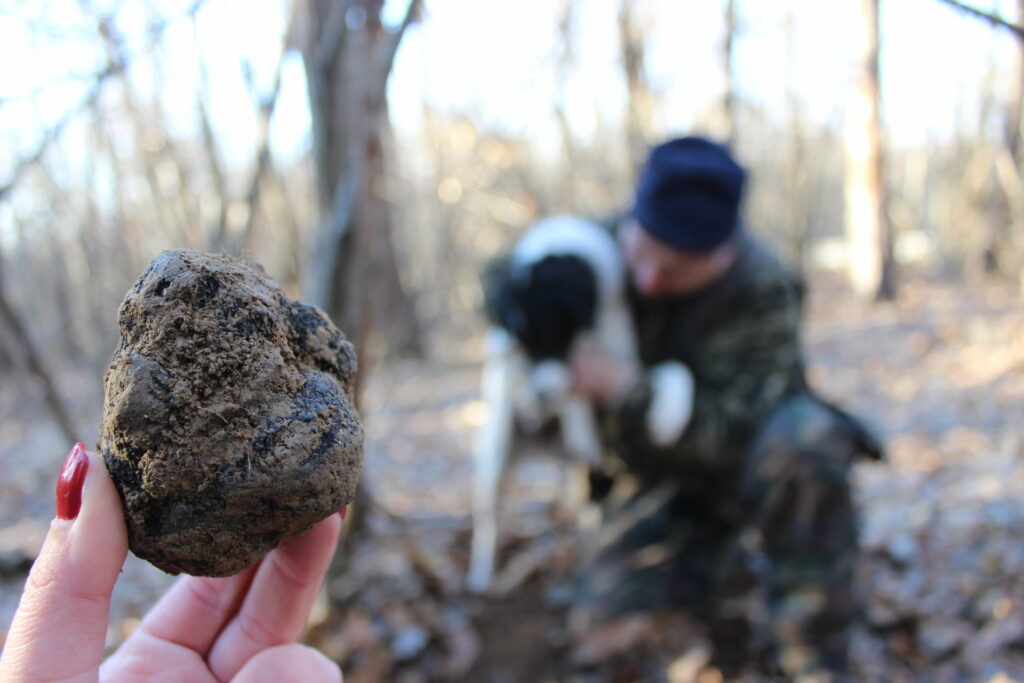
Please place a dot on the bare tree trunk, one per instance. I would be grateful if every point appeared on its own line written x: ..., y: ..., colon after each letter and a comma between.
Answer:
x: 6, y: 362
x: 729, y: 96
x: 57, y: 268
x: 339, y: 104
x: 398, y: 305
x: 19, y: 333
x: 567, y: 175
x: 127, y: 242
x: 869, y: 240
x: 284, y: 215
x: 1016, y: 97
x: 64, y: 304
x: 796, y: 174
x: 639, y: 105
x: 1005, y: 253
x: 348, y: 58
x: 264, y: 164
x: 218, y: 235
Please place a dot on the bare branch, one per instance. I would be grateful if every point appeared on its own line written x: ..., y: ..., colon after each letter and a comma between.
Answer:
x: 386, y: 56
x: 266, y: 104
x: 72, y: 77
x: 210, y: 149
x: 53, y: 133
x: 393, y: 40
x: 993, y: 19
x: 115, y: 65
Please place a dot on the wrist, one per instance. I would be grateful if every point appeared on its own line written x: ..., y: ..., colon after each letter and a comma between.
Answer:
x: 622, y: 379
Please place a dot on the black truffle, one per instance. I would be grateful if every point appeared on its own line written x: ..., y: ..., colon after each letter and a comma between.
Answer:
x: 229, y: 423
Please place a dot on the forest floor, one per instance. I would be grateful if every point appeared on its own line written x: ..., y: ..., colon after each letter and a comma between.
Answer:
x: 939, y: 373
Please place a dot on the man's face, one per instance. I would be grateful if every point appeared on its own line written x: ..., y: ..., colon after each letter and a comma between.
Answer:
x: 658, y: 270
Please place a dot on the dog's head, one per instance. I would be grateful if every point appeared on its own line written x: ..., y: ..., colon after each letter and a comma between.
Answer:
x: 546, y: 304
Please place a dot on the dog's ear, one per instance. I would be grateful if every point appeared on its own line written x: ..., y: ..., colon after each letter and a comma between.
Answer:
x: 493, y: 281
x: 501, y: 279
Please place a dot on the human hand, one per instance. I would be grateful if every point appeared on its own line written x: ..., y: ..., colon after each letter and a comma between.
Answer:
x: 240, y: 628
x: 602, y: 376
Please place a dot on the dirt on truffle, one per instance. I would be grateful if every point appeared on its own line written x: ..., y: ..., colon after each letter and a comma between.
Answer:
x: 228, y: 421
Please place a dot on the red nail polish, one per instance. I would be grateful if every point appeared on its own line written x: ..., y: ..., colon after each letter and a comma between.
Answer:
x: 70, y: 482
x: 343, y: 511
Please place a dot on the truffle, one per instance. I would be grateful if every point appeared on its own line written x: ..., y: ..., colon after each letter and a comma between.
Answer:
x: 228, y: 421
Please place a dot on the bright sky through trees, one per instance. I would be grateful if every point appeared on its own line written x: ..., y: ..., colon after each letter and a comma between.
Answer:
x: 496, y: 62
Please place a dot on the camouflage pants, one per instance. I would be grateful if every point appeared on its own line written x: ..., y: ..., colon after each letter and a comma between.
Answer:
x: 763, y: 557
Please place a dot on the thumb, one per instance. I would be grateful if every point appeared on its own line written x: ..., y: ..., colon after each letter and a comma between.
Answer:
x: 60, y: 627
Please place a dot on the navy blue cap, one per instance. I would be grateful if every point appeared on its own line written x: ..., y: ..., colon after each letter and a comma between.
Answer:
x: 688, y: 195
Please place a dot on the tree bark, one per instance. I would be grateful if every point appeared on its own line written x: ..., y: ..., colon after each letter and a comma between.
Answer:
x: 348, y: 57
x: 869, y: 239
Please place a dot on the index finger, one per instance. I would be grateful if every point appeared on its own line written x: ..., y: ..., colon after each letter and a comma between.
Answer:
x: 66, y: 602
x: 195, y: 609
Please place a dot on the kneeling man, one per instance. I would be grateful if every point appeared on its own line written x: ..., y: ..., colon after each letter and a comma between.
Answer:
x: 745, y: 461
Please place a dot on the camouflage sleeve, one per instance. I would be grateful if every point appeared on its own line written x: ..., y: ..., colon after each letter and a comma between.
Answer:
x: 742, y: 370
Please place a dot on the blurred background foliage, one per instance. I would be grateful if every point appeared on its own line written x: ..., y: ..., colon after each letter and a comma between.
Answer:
x: 303, y: 136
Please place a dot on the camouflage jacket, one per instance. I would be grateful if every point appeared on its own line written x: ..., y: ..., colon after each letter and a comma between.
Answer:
x: 740, y: 339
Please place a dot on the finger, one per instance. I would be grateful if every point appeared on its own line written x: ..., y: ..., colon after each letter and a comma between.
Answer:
x: 194, y: 611
x: 288, y: 663
x: 66, y: 602
x: 277, y: 606
x: 146, y: 658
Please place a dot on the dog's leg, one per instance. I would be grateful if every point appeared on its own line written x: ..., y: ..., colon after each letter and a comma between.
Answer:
x: 528, y: 411
x: 579, y: 429
x: 490, y: 454
x: 579, y: 435
x: 615, y: 332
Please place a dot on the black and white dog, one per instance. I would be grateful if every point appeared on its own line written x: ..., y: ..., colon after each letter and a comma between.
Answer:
x: 561, y: 286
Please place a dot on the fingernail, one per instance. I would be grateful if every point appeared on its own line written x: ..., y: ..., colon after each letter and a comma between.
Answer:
x: 70, y: 482
x: 343, y: 511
